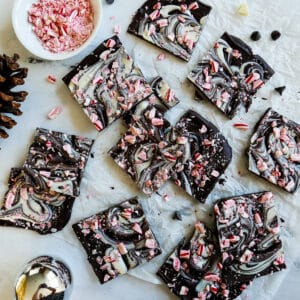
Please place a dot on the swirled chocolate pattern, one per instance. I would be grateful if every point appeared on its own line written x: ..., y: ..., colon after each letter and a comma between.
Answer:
x: 274, y: 152
x: 138, y: 151
x: 163, y: 98
x: 27, y: 204
x: 230, y: 74
x: 193, y: 153
x: 192, y: 271
x: 202, y: 155
x: 107, y: 83
x: 117, y: 240
x: 59, y: 160
x: 172, y: 25
x: 248, y: 231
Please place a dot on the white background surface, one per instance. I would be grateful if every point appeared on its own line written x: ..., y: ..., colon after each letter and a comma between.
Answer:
x: 17, y: 246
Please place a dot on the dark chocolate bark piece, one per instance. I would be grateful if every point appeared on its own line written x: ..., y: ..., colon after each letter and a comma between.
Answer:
x: 107, y: 83
x: 138, y: 151
x: 28, y: 207
x: 205, y: 155
x: 192, y: 270
x: 274, y: 152
x: 230, y: 74
x: 172, y: 25
x: 117, y: 240
x: 59, y: 159
x: 163, y: 98
x: 248, y: 231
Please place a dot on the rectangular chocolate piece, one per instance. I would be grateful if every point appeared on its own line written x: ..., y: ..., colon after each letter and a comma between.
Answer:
x: 138, y: 151
x: 193, y: 271
x: 27, y: 206
x: 274, y: 152
x: 59, y: 159
x: 163, y: 98
x: 172, y: 25
x: 117, y: 240
x: 230, y: 74
x: 205, y: 155
x: 107, y: 83
x: 248, y: 231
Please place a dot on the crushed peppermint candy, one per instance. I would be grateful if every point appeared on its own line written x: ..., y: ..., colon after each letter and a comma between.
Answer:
x: 241, y: 126
x: 51, y: 79
x: 62, y: 25
x: 161, y: 56
x: 55, y: 112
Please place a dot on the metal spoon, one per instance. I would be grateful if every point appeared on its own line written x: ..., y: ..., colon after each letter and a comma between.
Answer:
x: 44, y: 278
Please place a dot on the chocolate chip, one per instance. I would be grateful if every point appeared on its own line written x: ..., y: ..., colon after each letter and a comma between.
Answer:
x: 222, y: 181
x: 177, y: 216
x: 255, y: 36
x: 110, y: 1
x: 280, y: 90
x: 275, y: 35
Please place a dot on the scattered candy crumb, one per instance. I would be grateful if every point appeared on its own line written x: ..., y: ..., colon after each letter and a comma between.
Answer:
x: 117, y: 29
x: 166, y: 197
x: 55, y: 112
x: 161, y: 56
x: 51, y: 79
x: 241, y: 126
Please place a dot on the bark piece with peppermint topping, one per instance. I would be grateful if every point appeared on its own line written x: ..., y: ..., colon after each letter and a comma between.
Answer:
x: 117, y: 240
x: 248, y: 232
x: 107, y: 83
x: 172, y: 25
x: 229, y: 75
x: 274, y: 152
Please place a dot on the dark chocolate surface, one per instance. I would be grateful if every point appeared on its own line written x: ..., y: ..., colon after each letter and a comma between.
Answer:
x: 171, y: 25
x: 107, y: 83
x: 117, y: 240
x: 230, y: 74
x: 26, y: 206
x: 248, y: 231
x: 274, y: 152
x: 59, y: 160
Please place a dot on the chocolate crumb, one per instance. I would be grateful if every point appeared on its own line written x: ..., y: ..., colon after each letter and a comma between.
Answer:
x: 110, y: 1
x: 263, y: 98
x: 282, y: 220
x: 275, y: 35
x: 177, y: 216
x: 112, y: 187
x: 92, y: 155
x: 255, y: 36
x: 280, y: 90
x: 222, y: 181
x: 33, y: 60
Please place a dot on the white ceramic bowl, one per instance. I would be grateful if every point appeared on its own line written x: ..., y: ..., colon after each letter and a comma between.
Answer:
x: 27, y: 37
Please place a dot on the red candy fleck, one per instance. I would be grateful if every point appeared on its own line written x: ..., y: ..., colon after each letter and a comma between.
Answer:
x: 176, y: 264
x: 154, y: 15
x: 193, y: 6
x: 61, y: 25
x: 55, y: 112
x: 184, y: 254
x: 241, y: 126
x: 51, y: 79
x: 110, y: 43
x: 161, y: 56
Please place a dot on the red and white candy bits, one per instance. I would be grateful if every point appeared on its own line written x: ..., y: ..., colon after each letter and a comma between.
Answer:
x: 62, y: 25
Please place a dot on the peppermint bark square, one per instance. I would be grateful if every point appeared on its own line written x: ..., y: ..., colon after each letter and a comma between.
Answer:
x: 26, y: 206
x: 248, y: 232
x: 59, y: 159
x: 117, y: 240
x: 205, y: 155
x: 107, y: 83
x: 230, y: 74
x: 163, y: 98
x: 172, y: 25
x: 274, y: 152
x: 191, y: 271
x: 138, y: 151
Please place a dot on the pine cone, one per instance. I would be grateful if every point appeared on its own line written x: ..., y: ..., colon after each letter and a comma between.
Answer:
x: 11, y: 75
